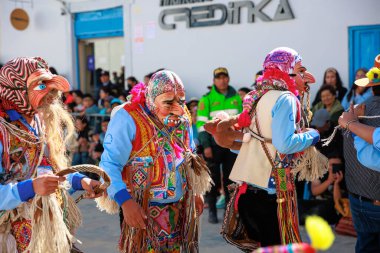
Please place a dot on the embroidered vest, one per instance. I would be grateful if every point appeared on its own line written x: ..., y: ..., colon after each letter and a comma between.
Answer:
x: 20, y: 159
x: 153, y: 156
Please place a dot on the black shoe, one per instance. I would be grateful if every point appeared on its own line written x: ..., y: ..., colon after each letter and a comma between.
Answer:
x: 212, y: 218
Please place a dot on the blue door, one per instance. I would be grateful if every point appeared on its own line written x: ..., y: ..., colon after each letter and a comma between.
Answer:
x: 97, y: 24
x: 364, y: 45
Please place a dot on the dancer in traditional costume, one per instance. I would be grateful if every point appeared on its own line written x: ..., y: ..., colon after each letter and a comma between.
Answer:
x: 266, y: 198
x: 33, y: 129
x: 157, y: 179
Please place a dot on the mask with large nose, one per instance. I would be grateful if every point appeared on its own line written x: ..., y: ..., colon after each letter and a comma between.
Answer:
x: 165, y: 97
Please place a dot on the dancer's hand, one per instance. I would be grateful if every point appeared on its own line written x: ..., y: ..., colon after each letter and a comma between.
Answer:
x: 208, y: 152
x: 46, y: 184
x: 359, y: 110
x: 199, y: 204
x: 134, y: 215
x: 89, y: 185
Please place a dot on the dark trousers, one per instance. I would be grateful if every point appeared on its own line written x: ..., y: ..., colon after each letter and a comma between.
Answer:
x: 366, y: 217
x: 258, y: 211
x: 225, y: 159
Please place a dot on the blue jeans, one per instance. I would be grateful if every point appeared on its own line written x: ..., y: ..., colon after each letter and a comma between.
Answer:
x: 366, y: 217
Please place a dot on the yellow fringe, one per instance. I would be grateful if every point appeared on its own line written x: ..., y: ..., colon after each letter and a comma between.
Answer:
x: 50, y: 234
x: 104, y: 203
x: 311, y: 166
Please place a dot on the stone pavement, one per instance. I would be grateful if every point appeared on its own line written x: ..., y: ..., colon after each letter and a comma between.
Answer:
x: 100, y: 232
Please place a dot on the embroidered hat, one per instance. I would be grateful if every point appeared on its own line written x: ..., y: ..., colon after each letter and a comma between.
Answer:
x: 373, y: 75
x: 282, y: 58
x: 162, y: 82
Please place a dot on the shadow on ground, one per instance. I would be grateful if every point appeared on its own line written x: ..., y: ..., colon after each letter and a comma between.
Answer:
x: 100, y: 233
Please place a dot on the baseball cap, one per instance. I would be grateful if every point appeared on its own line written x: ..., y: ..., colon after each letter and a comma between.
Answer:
x: 193, y: 99
x: 220, y: 71
x: 320, y: 118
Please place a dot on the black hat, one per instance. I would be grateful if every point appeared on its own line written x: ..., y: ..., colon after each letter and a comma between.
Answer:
x: 105, y: 73
x: 220, y: 71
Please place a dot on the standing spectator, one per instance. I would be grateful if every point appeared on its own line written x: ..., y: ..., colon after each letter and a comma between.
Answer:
x: 106, y: 82
x: 115, y: 77
x: 257, y: 76
x: 361, y: 151
x: 331, y: 77
x: 222, y: 97
x: 357, y: 94
x: 243, y: 91
x: 330, y: 103
x: 192, y: 105
x: 147, y: 78
x: 81, y: 153
x: 132, y: 81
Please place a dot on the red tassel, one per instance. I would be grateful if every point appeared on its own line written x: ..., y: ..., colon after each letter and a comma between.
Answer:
x: 244, y: 119
x: 242, y: 190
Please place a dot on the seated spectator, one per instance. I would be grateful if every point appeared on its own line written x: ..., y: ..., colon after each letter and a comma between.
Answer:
x: 321, y: 202
x: 330, y: 103
x: 122, y: 98
x: 115, y: 102
x: 357, y: 94
x: 80, y: 155
x: 331, y: 77
x: 104, y: 127
x: 89, y: 105
x: 321, y: 122
x: 104, y: 94
x: 243, y: 91
x: 78, y: 100
x: 106, y: 107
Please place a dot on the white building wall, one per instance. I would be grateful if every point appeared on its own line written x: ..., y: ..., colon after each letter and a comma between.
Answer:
x: 48, y: 35
x: 319, y: 32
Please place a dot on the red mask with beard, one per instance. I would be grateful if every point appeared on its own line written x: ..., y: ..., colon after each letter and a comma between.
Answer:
x: 24, y: 82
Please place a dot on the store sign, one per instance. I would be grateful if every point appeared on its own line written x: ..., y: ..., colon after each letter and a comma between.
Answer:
x: 218, y: 14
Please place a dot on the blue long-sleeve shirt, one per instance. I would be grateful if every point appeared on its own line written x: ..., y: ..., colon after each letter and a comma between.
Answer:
x: 356, y: 99
x: 368, y: 154
x: 117, y: 144
x: 284, y: 136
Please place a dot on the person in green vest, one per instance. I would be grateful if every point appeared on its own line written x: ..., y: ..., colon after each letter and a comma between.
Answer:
x: 222, y: 97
